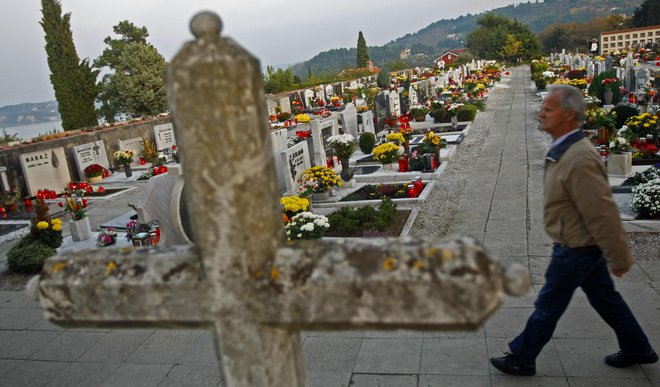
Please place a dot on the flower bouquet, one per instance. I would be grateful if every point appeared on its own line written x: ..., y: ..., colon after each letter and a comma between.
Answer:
x: 343, y: 145
x: 306, y: 226
x: 293, y: 205
x: 387, y: 152
x: 646, y: 199
x: 75, y: 203
x: 431, y: 143
x: 302, y: 118
x: 610, y: 84
x: 643, y: 125
x: 94, y: 170
x: 106, y: 237
x: 396, y: 138
x: 619, y: 145
x: 124, y: 156
x: 419, y: 111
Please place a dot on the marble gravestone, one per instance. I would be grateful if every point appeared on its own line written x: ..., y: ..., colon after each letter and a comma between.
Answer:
x: 279, y: 143
x: 241, y: 279
x: 91, y: 153
x: 45, y: 169
x: 308, y: 98
x: 381, y: 109
x: 295, y: 161
x: 368, y: 122
x: 412, y: 96
x: 285, y: 105
x: 321, y: 130
x: 165, y: 139
x: 394, y: 103
x: 349, y: 120
x: 319, y: 92
x: 329, y: 92
x: 272, y: 107
x: 134, y: 144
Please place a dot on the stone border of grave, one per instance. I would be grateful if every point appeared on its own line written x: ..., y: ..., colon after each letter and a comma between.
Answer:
x: 397, y: 177
x: 405, y: 203
x: 405, y: 231
x: 16, y: 233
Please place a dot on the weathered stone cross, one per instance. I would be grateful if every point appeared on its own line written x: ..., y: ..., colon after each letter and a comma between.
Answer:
x: 242, y: 279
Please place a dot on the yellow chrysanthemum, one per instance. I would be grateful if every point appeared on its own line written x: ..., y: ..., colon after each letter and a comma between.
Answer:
x: 57, y: 227
x: 42, y: 225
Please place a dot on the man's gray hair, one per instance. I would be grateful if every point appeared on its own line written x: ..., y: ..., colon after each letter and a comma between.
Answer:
x: 570, y: 99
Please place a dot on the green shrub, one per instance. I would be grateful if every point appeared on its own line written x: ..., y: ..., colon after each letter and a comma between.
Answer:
x: 366, y: 218
x: 597, y: 90
x: 466, y: 112
x: 479, y: 103
x: 441, y: 116
x: 28, y: 256
x: 367, y: 142
x: 541, y: 83
x: 623, y: 112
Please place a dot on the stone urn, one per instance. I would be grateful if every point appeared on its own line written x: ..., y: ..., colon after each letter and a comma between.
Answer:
x: 80, y: 229
x: 643, y: 108
x: 619, y: 164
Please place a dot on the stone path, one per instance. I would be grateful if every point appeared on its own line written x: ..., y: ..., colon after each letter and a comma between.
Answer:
x: 492, y: 190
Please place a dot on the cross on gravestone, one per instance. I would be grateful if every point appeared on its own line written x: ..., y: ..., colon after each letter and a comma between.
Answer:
x: 240, y: 279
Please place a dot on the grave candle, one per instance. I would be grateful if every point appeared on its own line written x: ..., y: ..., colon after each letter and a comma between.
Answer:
x: 28, y: 202
x: 40, y: 194
x: 403, y: 164
x: 419, y: 186
x: 412, y: 193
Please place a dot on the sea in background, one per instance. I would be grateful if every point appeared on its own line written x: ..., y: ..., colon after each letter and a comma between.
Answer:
x: 25, y: 132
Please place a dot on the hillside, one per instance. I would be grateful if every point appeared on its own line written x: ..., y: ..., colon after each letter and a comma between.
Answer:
x: 445, y: 34
x: 28, y: 113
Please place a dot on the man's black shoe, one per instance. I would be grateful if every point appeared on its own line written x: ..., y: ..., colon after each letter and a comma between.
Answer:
x: 622, y: 360
x: 514, y: 365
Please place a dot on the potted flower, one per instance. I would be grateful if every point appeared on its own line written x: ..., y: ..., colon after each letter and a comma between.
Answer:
x: 643, y: 125
x: 306, y: 225
x: 619, y: 158
x: 396, y: 137
x: 318, y: 180
x: 343, y: 146
x: 302, y: 118
x: 293, y: 205
x: 609, y: 85
x: 601, y: 120
x: 644, y: 199
x: 125, y: 158
x: 106, y: 237
x: 94, y: 173
x: 387, y: 154
x: 419, y: 112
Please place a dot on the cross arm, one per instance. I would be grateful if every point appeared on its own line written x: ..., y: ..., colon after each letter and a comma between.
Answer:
x: 413, y: 284
x: 125, y: 287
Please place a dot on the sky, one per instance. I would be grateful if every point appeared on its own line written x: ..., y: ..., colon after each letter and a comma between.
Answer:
x: 276, y: 31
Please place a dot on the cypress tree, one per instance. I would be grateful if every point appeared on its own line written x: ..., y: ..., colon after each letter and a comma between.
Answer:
x: 74, y: 81
x: 362, y: 52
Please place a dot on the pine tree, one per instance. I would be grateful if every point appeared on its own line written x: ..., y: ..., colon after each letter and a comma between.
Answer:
x: 362, y: 52
x: 648, y: 14
x: 73, y: 80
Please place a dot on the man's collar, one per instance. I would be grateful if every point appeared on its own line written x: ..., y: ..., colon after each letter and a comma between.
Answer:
x: 559, y: 149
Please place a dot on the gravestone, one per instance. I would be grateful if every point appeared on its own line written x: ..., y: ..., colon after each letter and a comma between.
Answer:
x: 381, y: 109
x: 412, y: 96
x: 609, y: 63
x: 295, y: 161
x: 241, y: 279
x: 591, y: 70
x: 164, y: 134
x: 321, y: 131
x: 308, y: 98
x: 134, y: 144
x: 45, y: 169
x: 4, y: 180
x: 320, y: 92
x: 338, y: 89
x: 394, y: 103
x: 285, y: 105
x: 368, y: 122
x: 642, y: 77
x: 630, y: 73
x: 329, y: 92
x: 163, y: 201
x: 279, y: 143
x: 91, y: 153
x: 272, y: 107
x: 349, y: 120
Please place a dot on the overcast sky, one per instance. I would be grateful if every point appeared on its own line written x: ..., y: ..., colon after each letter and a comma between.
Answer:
x: 276, y: 31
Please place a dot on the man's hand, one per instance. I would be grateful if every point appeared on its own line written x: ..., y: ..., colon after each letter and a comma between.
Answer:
x: 620, y: 271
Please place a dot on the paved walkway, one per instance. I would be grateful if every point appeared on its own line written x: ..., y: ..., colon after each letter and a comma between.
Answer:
x: 500, y: 204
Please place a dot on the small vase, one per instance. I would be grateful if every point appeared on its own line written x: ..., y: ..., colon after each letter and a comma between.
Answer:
x: 346, y: 173
x: 427, y: 159
x: 603, y: 135
x: 608, y: 97
x: 95, y: 179
x: 643, y: 108
x: 80, y: 229
x: 127, y: 170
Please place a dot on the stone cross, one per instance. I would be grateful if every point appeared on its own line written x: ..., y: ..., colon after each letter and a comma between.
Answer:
x: 241, y: 279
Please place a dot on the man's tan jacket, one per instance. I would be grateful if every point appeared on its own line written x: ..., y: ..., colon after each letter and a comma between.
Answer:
x: 578, y: 206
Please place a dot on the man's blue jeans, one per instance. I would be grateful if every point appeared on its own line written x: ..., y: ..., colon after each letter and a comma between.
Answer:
x: 569, y: 268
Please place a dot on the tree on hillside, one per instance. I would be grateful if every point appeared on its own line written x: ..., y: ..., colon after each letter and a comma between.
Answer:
x: 648, y: 14
x: 362, y: 52
x: 135, y: 83
x: 499, y: 37
x: 573, y: 36
x: 277, y: 81
x: 73, y: 80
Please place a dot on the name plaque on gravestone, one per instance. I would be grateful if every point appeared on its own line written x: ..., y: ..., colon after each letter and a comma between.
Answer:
x: 134, y: 144
x: 164, y: 134
x: 88, y: 154
x: 46, y: 169
x: 296, y: 160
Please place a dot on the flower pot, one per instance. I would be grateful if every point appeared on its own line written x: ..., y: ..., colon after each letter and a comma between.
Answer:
x: 320, y: 196
x: 392, y: 167
x: 643, y: 108
x: 619, y: 164
x: 420, y: 118
x: 608, y: 97
x: 95, y: 179
x: 454, y: 122
x: 427, y: 159
x: 80, y: 229
x: 346, y: 173
x: 127, y: 170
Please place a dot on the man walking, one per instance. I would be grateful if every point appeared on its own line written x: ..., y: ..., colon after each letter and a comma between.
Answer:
x: 583, y: 222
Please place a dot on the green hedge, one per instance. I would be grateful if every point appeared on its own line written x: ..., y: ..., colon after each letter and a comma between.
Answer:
x: 541, y: 83
x: 466, y: 112
x: 28, y: 256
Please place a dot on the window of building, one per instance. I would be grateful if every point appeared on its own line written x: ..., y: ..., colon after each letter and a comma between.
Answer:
x: 620, y: 37
x: 628, y: 36
x: 620, y: 44
x: 605, y: 39
x: 643, y: 34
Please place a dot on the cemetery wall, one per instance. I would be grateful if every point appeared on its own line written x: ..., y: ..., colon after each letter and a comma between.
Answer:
x: 10, y: 156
